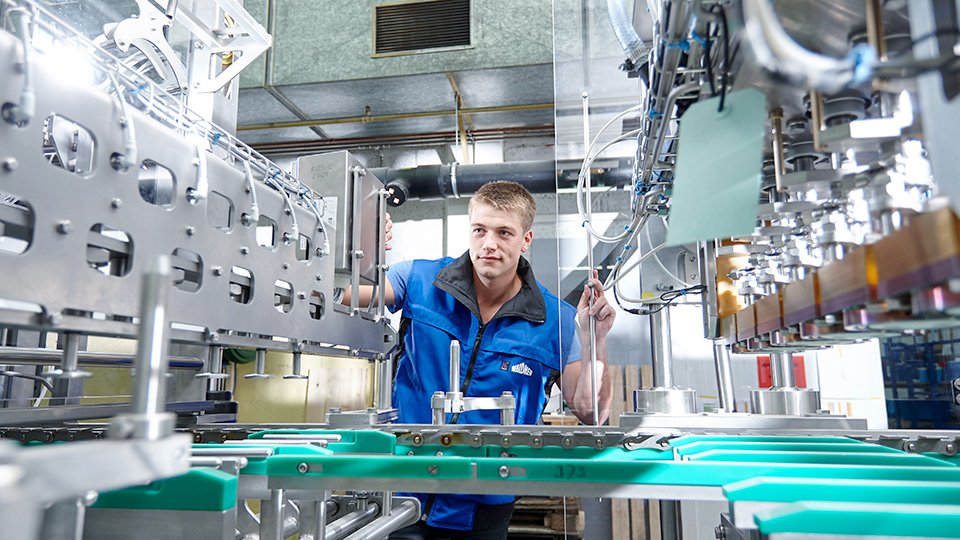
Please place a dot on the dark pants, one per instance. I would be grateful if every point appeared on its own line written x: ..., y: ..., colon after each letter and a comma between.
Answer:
x: 490, y: 523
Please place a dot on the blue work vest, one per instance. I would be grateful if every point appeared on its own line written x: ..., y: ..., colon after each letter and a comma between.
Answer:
x: 517, y: 350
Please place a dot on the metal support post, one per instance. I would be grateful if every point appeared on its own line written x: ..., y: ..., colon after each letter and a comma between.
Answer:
x: 71, y: 359
x: 64, y: 520
x: 271, y: 516
x: 320, y: 513
x: 721, y: 358
x: 214, y: 369
x: 781, y: 370
x: 507, y: 414
x: 437, y: 408
x: 297, y: 366
x: 662, y: 350
x: 147, y: 418
x: 455, y: 367
x: 261, y: 367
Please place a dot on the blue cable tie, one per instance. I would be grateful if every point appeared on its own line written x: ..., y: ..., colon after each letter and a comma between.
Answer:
x: 683, y: 45
x: 654, y: 114
x: 627, y: 247
x: 216, y: 137
x: 138, y: 89
x: 619, y: 259
x: 698, y: 38
x: 626, y: 227
x: 864, y: 57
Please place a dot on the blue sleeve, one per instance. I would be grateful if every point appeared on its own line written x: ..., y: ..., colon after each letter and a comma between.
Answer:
x: 398, y: 275
x: 570, y: 351
x: 574, y: 351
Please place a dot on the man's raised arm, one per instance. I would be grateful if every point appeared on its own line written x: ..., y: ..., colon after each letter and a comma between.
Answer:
x: 576, y: 380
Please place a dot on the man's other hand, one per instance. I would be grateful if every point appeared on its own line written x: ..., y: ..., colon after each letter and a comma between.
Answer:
x: 602, y: 311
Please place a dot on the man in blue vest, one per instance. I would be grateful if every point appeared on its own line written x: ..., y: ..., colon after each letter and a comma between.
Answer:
x: 514, y: 336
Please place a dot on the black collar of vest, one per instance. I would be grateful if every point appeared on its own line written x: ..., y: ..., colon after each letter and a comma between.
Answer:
x: 456, y: 279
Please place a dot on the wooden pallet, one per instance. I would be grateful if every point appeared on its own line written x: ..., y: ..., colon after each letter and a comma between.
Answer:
x: 547, y: 517
x: 631, y: 519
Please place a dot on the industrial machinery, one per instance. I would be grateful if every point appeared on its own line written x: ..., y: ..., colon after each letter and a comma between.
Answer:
x: 801, y: 186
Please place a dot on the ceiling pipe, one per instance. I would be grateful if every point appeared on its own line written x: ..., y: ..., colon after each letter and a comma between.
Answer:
x: 454, y: 181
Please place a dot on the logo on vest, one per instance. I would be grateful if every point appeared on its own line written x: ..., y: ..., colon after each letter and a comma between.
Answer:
x: 505, y: 365
x: 522, y: 369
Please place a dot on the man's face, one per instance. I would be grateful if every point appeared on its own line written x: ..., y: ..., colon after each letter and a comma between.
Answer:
x: 497, y: 238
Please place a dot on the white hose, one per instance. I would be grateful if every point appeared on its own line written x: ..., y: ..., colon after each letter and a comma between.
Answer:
x: 130, y: 137
x: 776, y: 51
x: 26, y: 109
x: 251, y: 185
x: 581, y: 185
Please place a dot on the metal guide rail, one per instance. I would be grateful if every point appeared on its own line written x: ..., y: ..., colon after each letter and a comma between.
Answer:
x: 111, y: 172
x: 536, y: 437
x: 775, y: 484
x: 831, y: 476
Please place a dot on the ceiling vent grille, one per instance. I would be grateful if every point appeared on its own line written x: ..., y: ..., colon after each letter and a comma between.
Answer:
x: 412, y: 27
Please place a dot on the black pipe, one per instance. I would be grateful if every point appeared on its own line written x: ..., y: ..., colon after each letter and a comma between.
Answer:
x: 429, y: 182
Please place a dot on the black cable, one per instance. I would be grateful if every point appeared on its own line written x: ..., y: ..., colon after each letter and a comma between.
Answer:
x: 726, y: 54
x: 708, y: 49
x: 632, y: 311
x: 669, y: 296
x: 666, y: 298
x: 34, y: 378
x: 942, y: 32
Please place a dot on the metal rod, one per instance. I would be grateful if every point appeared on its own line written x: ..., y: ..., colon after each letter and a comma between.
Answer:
x: 382, y: 255
x: 26, y: 356
x: 355, y: 251
x: 151, y: 364
x: 721, y: 359
x: 455, y: 366
x: 232, y: 452
x: 332, y: 437
x: 386, y: 387
x: 595, y: 413
x: 350, y: 522
x: 817, y: 123
x: 874, y: 23
x: 662, y: 350
x: 776, y: 123
x: 383, y: 526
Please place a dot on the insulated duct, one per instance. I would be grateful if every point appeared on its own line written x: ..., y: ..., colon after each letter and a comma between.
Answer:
x: 429, y: 182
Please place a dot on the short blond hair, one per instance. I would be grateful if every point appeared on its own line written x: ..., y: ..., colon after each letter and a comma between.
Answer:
x: 510, y: 196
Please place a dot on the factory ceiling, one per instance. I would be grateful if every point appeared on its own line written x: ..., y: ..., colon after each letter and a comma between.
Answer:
x: 324, y: 84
